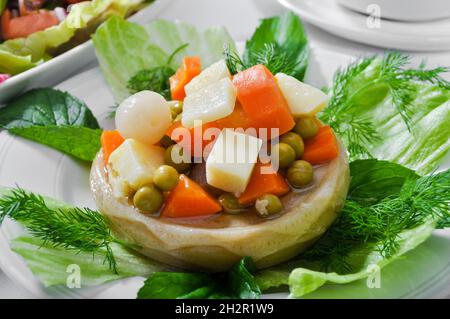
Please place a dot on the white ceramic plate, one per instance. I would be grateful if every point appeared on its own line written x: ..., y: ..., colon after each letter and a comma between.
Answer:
x: 68, y: 63
x: 422, y: 273
x: 410, y: 36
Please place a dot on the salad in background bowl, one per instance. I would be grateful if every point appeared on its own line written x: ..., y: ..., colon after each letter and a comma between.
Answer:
x: 390, y: 117
x: 55, y: 46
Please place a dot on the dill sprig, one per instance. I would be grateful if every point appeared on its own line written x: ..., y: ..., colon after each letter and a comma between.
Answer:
x: 79, y: 229
x: 234, y: 62
x: 361, y: 227
x: 271, y: 56
x: 359, y: 132
x: 157, y: 78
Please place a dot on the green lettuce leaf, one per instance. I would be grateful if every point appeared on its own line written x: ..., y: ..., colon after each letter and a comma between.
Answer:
x: 237, y: 283
x: 124, y: 48
x: 363, y: 98
x: 288, y: 39
x: 429, y: 140
x: 207, y: 44
x: 304, y: 280
x: 49, y: 264
x: 21, y: 54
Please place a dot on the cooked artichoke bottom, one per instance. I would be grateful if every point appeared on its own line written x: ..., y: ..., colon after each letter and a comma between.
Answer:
x: 215, y: 244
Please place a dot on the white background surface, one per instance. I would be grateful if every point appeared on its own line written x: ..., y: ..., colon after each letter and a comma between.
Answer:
x: 241, y: 17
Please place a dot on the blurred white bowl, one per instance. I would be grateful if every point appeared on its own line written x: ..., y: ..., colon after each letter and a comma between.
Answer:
x: 269, y: 8
x: 403, y: 10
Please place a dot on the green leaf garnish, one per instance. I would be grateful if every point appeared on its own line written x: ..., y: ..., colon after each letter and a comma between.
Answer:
x: 280, y: 43
x: 124, y: 48
x: 383, y: 109
x: 373, y: 180
x: 78, y: 229
x: 80, y: 142
x: 271, y: 46
x: 370, y: 231
x: 50, y: 263
x: 46, y: 106
x: 155, y: 79
x: 56, y: 119
x: 418, y: 200
x: 237, y: 283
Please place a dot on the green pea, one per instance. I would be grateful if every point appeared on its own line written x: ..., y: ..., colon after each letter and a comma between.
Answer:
x: 230, y: 204
x: 286, y: 154
x: 295, y: 141
x: 176, y: 106
x: 148, y: 199
x: 174, y: 114
x: 306, y: 127
x: 177, y: 162
x: 165, y: 178
x: 301, y: 173
x: 268, y: 205
x: 166, y: 141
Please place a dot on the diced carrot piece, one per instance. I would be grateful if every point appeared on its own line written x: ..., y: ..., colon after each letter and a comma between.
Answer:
x: 188, y: 199
x: 260, y: 184
x: 23, y: 26
x: 110, y: 141
x: 262, y: 100
x: 181, y: 132
x: 176, y: 126
x: 237, y: 119
x: 321, y: 148
x: 190, y: 68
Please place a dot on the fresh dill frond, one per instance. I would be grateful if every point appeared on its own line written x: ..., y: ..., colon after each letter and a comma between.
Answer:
x: 233, y: 60
x: 390, y: 71
x: 340, y: 90
x: 175, y: 52
x: 275, y: 59
x: 78, y: 229
x: 443, y: 223
x: 400, y: 88
x: 361, y: 227
x: 271, y: 56
x: 359, y: 132
x: 431, y: 76
x: 155, y: 79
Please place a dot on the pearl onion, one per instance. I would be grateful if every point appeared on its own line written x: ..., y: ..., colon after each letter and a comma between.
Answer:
x: 144, y: 116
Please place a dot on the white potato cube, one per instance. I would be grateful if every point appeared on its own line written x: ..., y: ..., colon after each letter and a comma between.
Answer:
x: 303, y: 99
x: 230, y: 164
x: 144, y: 116
x: 120, y: 188
x: 132, y: 165
x: 208, y: 104
x: 214, y: 73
